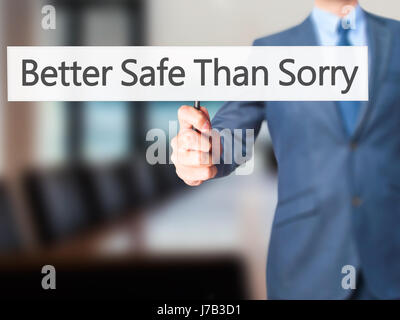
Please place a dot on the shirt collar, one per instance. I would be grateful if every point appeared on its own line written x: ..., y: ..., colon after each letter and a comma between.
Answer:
x: 328, y: 22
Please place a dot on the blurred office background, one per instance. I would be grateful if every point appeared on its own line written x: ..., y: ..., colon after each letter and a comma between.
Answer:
x: 75, y: 188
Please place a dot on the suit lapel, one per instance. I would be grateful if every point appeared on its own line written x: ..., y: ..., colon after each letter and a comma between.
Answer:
x: 379, y: 40
x: 326, y: 111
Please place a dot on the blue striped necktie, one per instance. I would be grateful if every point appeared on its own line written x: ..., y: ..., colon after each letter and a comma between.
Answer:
x: 348, y: 109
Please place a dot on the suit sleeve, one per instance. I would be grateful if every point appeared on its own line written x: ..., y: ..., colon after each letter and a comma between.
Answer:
x: 233, y: 121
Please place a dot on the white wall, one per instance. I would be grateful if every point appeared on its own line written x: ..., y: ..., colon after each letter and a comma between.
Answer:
x: 385, y: 8
x: 233, y: 22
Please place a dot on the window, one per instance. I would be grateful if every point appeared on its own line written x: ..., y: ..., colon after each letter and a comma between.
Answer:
x: 50, y: 139
x: 93, y: 131
x: 106, y: 130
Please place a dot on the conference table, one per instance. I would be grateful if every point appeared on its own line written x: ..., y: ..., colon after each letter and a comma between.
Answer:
x: 194, y: 237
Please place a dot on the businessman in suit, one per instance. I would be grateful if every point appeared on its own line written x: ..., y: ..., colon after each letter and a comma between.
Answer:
x: 338, y: 166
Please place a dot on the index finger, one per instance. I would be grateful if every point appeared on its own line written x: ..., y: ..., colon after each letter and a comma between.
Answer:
x: 190, y: 117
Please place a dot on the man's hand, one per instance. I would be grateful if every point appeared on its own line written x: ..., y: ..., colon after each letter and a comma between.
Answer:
x: 193, y: 150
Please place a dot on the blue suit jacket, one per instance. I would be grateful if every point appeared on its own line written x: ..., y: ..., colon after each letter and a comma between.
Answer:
x: 338, y: 196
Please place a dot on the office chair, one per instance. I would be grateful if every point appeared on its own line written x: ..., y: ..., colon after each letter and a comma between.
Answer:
x: 57, y: 202
x: 9, y: 238
x: 103, y: 187
x: 140, y: 181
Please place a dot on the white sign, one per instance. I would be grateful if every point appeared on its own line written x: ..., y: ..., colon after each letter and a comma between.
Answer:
x: 187, y: 73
